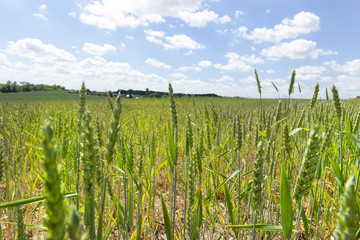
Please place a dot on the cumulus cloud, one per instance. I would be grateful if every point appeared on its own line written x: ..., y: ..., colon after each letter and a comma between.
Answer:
x: 43, y: 10
x: 239, y: 13
x: 348, y: 85
x: 225, y: 19
x: 312, y: 73
x: 350, y: 67
x: 37, y: 51
x: 201, y: 86
x: 297, y: 49
x: 177, y: 41
x: 239, y: 63
x: 302, y: 23
x: 99, y: 50
x: 110, y: 14
x: 57, y: 67
x: 189, y: 68
x: 188, y: 53
x: 178, y: 75
x: 72, y: 14
x: 201, y: 19
x: 224, y: 79
x: 156, y: 63
x: 205, y: 64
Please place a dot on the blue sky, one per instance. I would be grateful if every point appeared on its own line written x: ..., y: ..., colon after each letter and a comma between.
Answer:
x: 210, y: 46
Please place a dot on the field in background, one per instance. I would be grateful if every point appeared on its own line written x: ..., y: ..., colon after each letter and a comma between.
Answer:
x: 224, y: 167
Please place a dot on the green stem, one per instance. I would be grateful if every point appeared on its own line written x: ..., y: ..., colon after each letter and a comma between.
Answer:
x: 254, y: 231
x: 174, y: 186
x: 298, y: 221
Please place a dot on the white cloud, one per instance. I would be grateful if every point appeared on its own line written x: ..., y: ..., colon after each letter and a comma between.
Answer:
x: 94, y: 49
x: 156, y: 63
x: 4, y: 62
x: 302, y: 23
x: 176, y: 41
x: 189, y: 68
x: 200, y: 86
x: 267, y: 11
x: 188, y: 53
x: 297, y: 49
x: 248, y: 79
x: 225, y: 19
x: 270, y: 71
x: 348, y: 85
x: 110, y: 14
x: 130, y: 37
x: 350, y: 67
x: 43, y: 8
x: 239, y: 63
x: 251, y: 59
x: 178, y: 75
x: 72, y: 14
x: 205, y: 64
x: 312, y: 73
x: 39, y: 15
x: 222, y: 31
x: 97, y: 72
x: 182, y: 41
x: 37, y: 51
x: 201, y: 19
x: 224, y: 79
x: 239, y: 13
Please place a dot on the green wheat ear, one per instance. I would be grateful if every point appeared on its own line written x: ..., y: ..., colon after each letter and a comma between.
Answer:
x: 308, y: 167
x: 75, y: 227
x: 258, y: 176
x: 292, y: 82
x: 173, y: 107
x: 53, y: 191
x: 348, y: 222
x: 258, y: 82
x: 336, y: 99
x: 315, y: 95
x: 82, y: 102
x: 112, y: 134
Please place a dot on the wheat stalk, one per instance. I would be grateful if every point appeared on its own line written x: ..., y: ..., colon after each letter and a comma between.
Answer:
x: 308, y: 167
x: 53, y: 191
x: 113, y: 131
x: 21, y: 230
x: 314, y: 97
x: 348, y: 221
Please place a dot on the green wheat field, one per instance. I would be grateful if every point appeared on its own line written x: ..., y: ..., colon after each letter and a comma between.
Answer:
x: 80, y: 167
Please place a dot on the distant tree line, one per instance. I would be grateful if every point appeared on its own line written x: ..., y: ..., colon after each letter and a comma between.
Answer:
x: 28, y: 87
x: 11, y: 87
x: 149, y: 93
